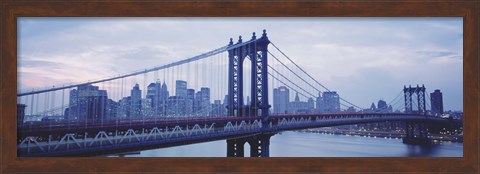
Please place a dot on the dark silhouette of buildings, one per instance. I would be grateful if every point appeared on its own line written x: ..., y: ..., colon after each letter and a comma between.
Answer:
x: 436, y: 99
x: 20, y: 114
x: 382, y: 106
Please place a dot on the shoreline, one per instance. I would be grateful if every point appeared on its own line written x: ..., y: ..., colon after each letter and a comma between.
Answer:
x: 383, y: 134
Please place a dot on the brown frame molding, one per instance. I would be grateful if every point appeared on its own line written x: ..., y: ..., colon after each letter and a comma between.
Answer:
x: 9, y: 10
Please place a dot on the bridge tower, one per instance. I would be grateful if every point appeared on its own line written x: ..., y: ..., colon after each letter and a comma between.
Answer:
x: 256, y: 51
x: 416, y: 133
x: 420, y: 98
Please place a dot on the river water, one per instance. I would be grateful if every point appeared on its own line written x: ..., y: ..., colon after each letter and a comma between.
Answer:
x: 303, y: 144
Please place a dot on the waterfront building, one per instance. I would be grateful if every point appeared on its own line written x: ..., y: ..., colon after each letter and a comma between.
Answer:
x: 436, y: 100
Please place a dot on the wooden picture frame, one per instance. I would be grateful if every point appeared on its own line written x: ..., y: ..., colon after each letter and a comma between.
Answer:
x: 10, y: 10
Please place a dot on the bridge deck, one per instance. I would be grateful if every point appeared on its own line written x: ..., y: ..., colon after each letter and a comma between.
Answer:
x: 48, y: 139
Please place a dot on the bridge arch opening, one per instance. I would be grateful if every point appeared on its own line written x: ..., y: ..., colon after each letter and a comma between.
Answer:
x: 247, y: 81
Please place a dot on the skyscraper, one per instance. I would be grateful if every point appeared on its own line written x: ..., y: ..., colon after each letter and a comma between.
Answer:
x: 281, y: 98
x: 176, y: 106
x: 136, y: 102
x: 87, y: 102
x: 181, y: 88
x: 311, y: 105
x: 436, y: 99
x: 164, y: 94
x: 328, y: 102
x: 123, y: 109
x: 154, y: 93
x: 202, y: 101
x: 189, y: 101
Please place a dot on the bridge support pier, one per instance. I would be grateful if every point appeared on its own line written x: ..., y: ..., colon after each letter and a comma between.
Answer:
x: 259, y: 146
x: 235, y: 147
x: 416, y: 133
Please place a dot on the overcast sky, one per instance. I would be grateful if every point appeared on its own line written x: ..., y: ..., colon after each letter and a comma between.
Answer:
x: 363, y: 59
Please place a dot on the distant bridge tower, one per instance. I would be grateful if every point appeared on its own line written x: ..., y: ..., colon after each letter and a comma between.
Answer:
x: 256, y: 51
x: 420, y: 98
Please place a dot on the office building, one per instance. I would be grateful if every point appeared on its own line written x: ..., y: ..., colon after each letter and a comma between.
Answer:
x: 181, y: 88
x: 328, y: 102
x: 436, y: 100
x: 281, y: 99
x: 136, y: 102
x: 298, y: 107
x: 87, y: 102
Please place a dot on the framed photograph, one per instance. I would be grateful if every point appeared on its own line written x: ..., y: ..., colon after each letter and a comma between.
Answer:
x: 303, y: 86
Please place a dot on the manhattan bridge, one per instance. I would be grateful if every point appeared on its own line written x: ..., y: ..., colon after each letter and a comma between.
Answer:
x: 111, y: 115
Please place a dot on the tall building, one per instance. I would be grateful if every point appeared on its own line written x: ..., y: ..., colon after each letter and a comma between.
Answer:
x: 20, y: 114
x: 164, y: 94
x: 176, y: 106
x: 310, y: 105
x: 154, y: 94
x: 158, y: 94
x: 147, y: 109
x: 136, y: 102
x: 123, y: 109
x: 87, y: 102
x: 373, y: 108
x: 181, y: 88
x: 189, y: 101
x: 436, y: 99
x: 298, y: 107
x: 111, y: 110
x: 328, y: 102
x: 382, y: 106
x: 217, y: 108
x: 319, y: 104
x: 281, y: 99
x: 202, y: 102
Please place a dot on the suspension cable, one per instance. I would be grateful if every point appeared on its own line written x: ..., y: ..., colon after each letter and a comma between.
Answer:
x: 311, y: 76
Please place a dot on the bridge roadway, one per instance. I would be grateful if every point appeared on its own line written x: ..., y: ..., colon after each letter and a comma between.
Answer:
x: 123, y: 135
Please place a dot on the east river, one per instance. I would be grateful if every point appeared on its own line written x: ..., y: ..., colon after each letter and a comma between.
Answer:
x: 305, y: 144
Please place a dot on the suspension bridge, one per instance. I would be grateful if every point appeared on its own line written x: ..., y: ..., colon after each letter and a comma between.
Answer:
x: 223, y: 94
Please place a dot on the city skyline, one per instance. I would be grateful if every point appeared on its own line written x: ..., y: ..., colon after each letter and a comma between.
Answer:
x: 430, y: 46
